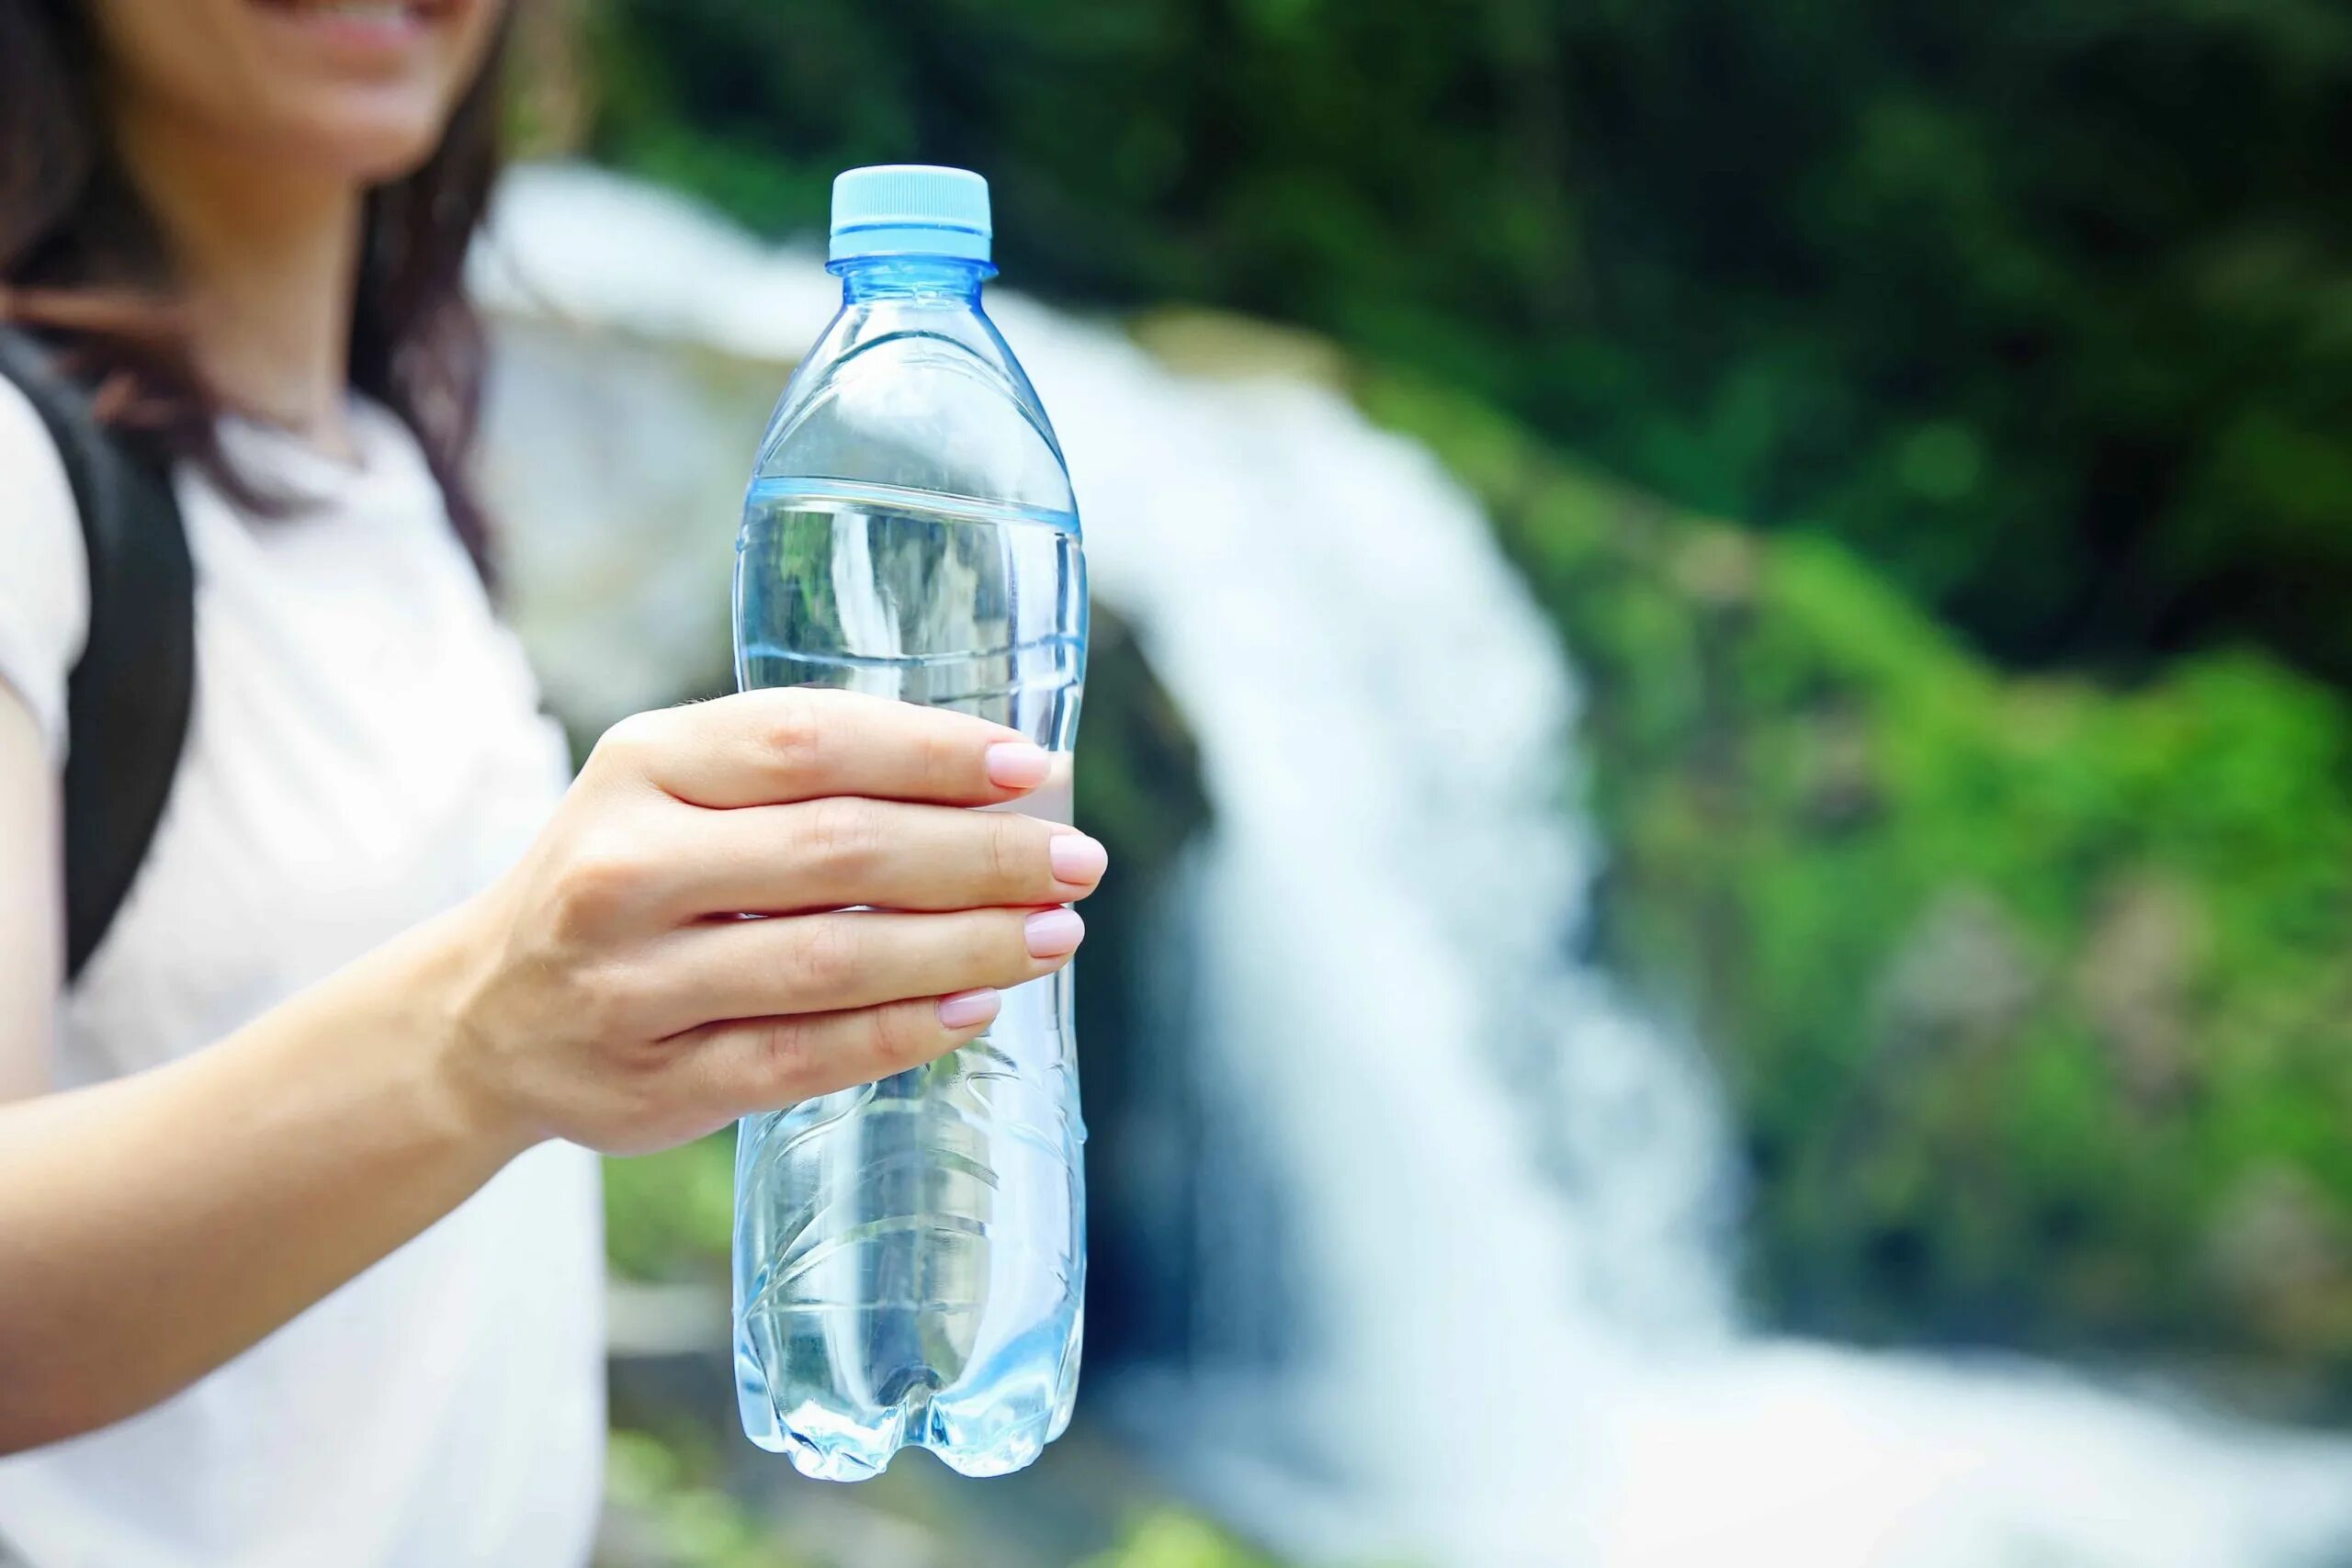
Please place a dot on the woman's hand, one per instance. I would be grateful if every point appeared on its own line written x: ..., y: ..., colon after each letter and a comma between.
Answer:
x: 608, y: 991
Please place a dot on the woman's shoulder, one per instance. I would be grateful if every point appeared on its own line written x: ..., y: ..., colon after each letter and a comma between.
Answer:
x: 44, y: 573
x: 28, y: 456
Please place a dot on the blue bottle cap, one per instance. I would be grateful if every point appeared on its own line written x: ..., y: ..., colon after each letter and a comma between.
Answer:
x: 910, y: 209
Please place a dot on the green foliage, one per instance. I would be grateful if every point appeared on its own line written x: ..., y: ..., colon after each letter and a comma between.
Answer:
x: 665, y: 1511
x: 1173, y: 1539
x: 674, y: 1517
x: 2030, y: 994
x: 671, y: 1216
x: 2044, y: 304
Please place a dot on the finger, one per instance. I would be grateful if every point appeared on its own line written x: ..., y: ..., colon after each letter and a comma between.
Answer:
x: 832, y: 963
x: 803, y: 743
x: 767, y: 1063
x: 825, y: 854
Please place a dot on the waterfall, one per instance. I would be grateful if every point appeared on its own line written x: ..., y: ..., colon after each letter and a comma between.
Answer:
x: 1382, y: 919
x: 1506, y: 1191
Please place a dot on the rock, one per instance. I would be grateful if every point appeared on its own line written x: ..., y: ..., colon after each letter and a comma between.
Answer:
x: 1961, y: 980
x: 2278, y: 1253
x: 2139, y: 964
x: 1719, y: 567
x: 1836, y: 768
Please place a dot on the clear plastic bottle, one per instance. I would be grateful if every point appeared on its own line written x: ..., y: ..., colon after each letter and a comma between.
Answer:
x: 909, y: 1256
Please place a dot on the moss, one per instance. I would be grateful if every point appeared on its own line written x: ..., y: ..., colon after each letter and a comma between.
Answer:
x: 2032, y: 995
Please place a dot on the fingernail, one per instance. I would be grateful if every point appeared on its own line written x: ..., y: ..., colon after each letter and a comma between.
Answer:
x: 1076, y: 859
x: 1016, y: 765
x: 1052, y: 932
x: 967, y: 1010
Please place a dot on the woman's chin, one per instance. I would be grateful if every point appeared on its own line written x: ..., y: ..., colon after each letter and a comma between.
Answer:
x: 362, y: 147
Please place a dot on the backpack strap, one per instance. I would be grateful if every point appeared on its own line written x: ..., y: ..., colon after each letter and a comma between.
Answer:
x: 128, y: 699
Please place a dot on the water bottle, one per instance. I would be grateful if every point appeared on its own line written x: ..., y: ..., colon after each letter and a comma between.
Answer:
x: 909, y: 1256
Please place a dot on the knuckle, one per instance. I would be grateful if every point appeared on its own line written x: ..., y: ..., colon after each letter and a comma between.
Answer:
x: 627, y: 744
x: 784, y: 1044
x: 792, y: 730
x: 780, y: 1048
x: 1000, y: 946
x: 1014, y: 859
x: 597, y: 883
x: 610, y: 1000
x: 844, y: 836
x: 943, y: 755
x: 829, y: 952
x: 902, y: 1038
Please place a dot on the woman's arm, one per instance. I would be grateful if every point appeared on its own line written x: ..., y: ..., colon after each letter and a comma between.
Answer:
x: 604, y: 991
x: 153, y: 1227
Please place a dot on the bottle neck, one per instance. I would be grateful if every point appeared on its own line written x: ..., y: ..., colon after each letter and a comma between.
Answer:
x: 947, y: 279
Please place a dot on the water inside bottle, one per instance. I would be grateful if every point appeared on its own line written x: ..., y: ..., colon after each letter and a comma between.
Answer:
x: 909, y: 1254
x: 978, y: 606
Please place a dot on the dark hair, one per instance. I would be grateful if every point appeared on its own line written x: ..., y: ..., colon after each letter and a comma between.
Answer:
x: 84, y: 265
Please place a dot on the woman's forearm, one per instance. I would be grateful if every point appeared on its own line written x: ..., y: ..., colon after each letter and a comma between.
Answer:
x: 153, y: 1227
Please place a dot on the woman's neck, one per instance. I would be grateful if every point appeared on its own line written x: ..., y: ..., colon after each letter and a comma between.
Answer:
x: 268, y: 262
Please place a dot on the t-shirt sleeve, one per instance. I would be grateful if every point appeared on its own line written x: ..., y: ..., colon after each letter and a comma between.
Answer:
x: 44, y: 572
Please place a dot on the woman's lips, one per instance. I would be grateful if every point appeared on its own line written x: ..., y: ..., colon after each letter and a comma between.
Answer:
x: 360, y: 23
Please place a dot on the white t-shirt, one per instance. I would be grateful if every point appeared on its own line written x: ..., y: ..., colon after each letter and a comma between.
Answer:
x: 366, y: 750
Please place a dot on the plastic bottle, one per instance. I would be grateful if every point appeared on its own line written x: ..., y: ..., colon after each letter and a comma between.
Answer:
x: 909, y: 1256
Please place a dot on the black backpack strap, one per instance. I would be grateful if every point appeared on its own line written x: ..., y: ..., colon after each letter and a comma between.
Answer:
x: 127, y: 701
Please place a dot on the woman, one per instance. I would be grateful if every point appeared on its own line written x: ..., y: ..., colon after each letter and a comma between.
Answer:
x: 297, y: 1240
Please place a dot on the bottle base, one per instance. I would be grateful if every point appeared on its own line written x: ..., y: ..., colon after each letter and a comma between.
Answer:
x: 824, y: 1447
x: 991, y: 1427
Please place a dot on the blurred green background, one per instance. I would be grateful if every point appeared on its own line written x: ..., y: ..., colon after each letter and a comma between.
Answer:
x: 1931, y: 428
x: 2042, y: 307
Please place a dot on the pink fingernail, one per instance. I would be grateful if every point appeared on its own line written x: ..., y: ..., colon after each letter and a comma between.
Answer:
x: 1052, y: 932
x: 1076, y: 859
x: 967, y: 1010
x: 1016, y: 765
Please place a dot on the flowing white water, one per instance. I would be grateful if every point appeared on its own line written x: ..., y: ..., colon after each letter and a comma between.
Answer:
x: 1518, y: 1343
